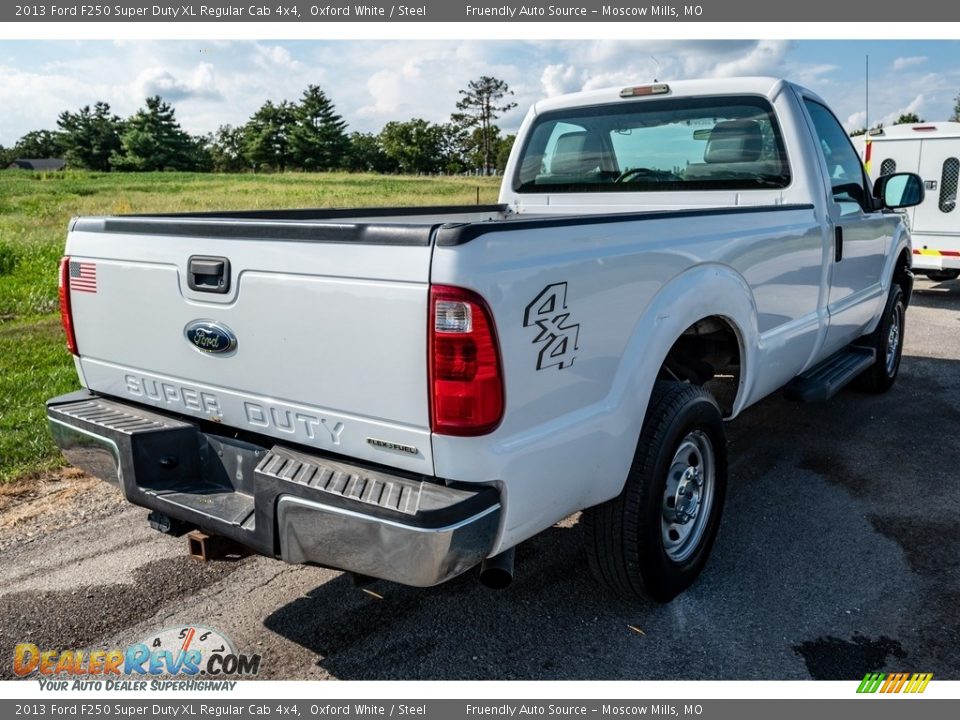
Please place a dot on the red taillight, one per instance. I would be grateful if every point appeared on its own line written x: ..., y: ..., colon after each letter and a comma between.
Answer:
x: 66, y: 311
x: 466, y: 385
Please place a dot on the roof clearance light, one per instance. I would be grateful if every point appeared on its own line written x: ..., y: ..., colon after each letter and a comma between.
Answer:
x: 924, y: 128
x: 641, y: 90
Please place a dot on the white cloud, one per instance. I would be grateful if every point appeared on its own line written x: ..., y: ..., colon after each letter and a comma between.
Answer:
x: 201, y: 82
x: 609, y: 63
x: 275, y: 57
x: 811, y: 74
x: 405, y: 80
x: 930, y: 95
x: 856, y: 120
x: 902, y: 63
x: 32, y: 101
x: 561, y: 79
x: 389, y: 88
x: 601, y: 64
x: 766, y: 58
x: 915, y: 106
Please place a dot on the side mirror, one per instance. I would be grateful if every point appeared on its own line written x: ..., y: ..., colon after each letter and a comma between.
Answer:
x: 899, y: 190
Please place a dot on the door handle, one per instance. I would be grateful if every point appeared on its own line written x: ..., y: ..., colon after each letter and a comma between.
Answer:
x: 837, y: 244
x: 208, y: 274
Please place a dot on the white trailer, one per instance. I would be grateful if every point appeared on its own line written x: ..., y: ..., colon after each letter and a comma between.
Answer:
x: 932, y: 150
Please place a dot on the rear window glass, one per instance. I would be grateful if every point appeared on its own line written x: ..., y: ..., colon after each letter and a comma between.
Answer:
x: 724, y: 143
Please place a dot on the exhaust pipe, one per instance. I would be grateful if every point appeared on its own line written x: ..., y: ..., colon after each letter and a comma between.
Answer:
x: 497, y: 572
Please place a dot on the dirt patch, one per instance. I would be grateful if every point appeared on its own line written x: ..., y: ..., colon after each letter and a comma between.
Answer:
x: 30, y: 497
x: 51, y: 501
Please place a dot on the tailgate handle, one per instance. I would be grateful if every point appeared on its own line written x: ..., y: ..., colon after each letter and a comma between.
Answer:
x: 208, y: 274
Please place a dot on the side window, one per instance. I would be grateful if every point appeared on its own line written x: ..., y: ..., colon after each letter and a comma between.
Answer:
x: 948, y: 184
x: 843, y: 163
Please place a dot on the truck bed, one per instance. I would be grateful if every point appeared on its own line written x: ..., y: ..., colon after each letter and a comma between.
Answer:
x: 327, y: 309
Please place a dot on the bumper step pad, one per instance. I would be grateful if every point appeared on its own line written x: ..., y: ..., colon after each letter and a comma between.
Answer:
x: 364, y: 486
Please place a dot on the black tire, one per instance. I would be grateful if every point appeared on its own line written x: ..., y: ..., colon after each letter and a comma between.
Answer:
x: 880, y: 376
x: 943, y: 275
x: 626, y: 537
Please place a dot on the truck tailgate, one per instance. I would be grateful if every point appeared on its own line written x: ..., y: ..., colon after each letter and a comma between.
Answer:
x: 329, y: 323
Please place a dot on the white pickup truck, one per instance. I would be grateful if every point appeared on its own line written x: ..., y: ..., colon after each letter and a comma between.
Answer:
x: 407, y: 393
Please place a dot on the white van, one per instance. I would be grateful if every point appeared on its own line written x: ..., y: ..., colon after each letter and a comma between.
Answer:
x: 932, y: 150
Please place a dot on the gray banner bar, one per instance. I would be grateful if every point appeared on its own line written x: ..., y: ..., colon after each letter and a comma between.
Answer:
x: 481, y: 11
x: 874, y: 708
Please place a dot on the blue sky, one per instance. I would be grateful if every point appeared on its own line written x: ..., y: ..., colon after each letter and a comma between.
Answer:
x: 216, y: 82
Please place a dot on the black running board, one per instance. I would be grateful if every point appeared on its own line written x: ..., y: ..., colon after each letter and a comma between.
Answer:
x: 825, y: 380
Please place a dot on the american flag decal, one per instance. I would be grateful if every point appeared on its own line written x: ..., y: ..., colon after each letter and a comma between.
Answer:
x: 83, y: 276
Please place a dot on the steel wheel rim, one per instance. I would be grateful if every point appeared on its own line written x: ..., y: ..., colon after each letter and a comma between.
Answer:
x: 893, y: 338
x: 688, y: 496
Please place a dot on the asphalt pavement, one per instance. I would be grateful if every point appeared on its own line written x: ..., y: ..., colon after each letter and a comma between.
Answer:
x: 838, y: 554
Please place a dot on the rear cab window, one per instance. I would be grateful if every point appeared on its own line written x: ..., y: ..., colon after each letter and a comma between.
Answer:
x: 719, y: 143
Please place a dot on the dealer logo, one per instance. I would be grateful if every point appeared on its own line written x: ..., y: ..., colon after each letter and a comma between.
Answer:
x: 193, y: 651
x: 894, y: 683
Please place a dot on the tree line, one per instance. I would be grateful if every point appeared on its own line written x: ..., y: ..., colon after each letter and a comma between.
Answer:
x: 911, y: 118
x: 306, y: 135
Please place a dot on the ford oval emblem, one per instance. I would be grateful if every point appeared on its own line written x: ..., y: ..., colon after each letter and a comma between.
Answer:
x: 209, y: 336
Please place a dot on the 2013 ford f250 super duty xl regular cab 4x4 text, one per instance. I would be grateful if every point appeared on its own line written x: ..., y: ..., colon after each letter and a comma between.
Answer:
x: 406, y: 393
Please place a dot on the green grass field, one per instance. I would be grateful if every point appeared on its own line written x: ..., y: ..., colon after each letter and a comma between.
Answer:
x: 34, y: 211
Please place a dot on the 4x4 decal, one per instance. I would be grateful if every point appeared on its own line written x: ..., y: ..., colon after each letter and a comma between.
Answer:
x: 560, y: 338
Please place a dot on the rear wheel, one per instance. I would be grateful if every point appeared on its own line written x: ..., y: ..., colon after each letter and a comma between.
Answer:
x: 654, y: 538
x: 943, y: 275
x: 887, y: 340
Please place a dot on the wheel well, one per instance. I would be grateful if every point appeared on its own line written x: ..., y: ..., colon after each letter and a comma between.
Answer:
x: 707, y: 354
x: 903, y: 276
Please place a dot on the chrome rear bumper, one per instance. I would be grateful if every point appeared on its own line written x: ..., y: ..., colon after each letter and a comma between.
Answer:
x: 279, y: 501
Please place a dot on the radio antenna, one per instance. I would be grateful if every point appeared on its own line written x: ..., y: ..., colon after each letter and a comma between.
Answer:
x: 866, y: 82
x: 656, y: 74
